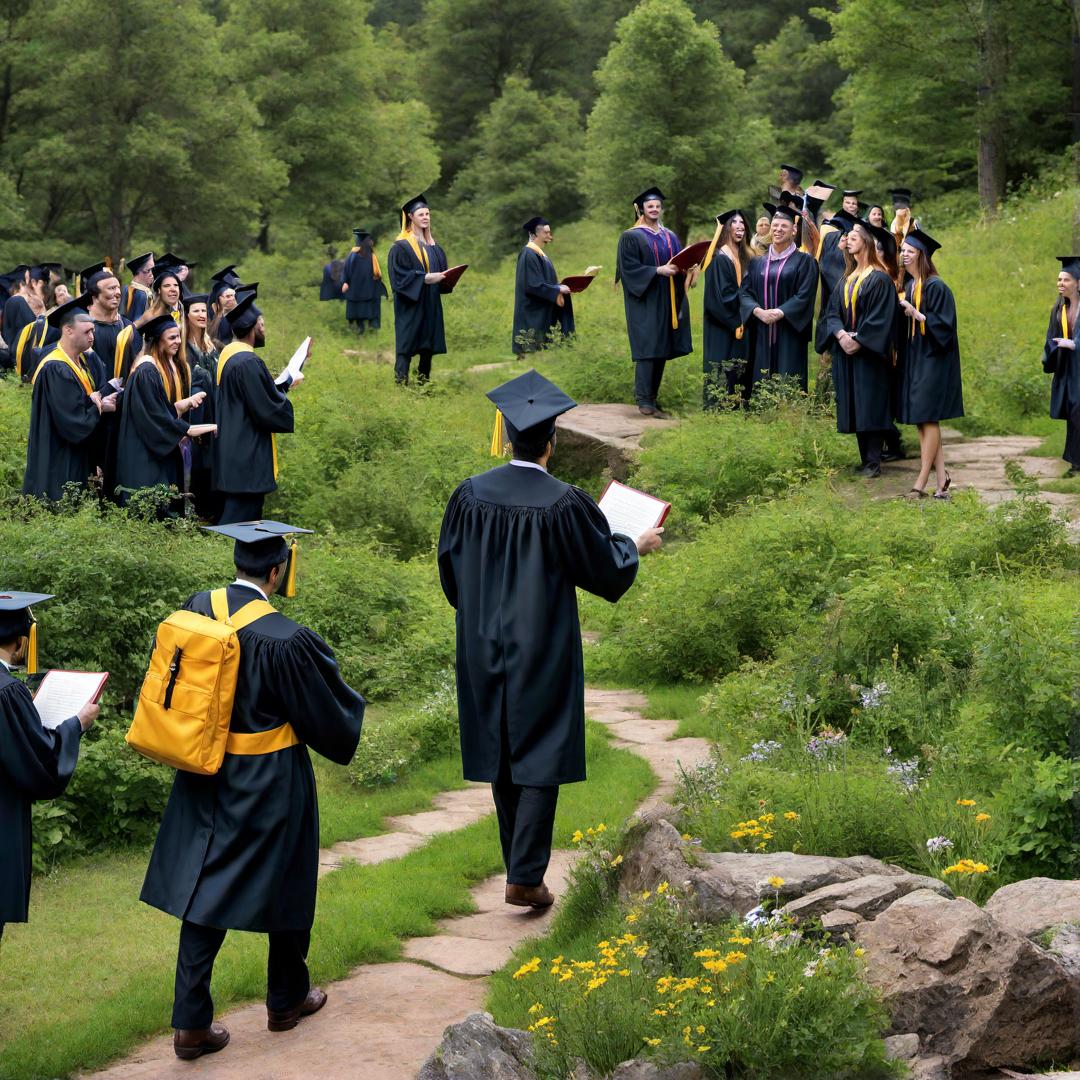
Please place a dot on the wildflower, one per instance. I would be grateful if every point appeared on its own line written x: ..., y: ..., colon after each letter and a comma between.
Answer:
x: 706, y: 954
x: 982, y: 817
x: 871, y: 697
x: 641, y: 951
x: 528, y: 969
x: 938, y: 843
x: 617, y: 861
x: 735, y: 957
x: 703, y: 1049
x: 603, y: 944
x: 770, y: 976
x: 762, y: 751
x: 700, y: 1030
x: 662, y: 888
x: 595, y: 983
x: 632, y: 917
x: 601, y: 827
x: 905, y: 773
x: 625, y: 973
x: 652, y: 1042
x: 826, y: 742
x: 534, y: 1009
x: 860, y: 951
x: 646, y: 894
x: 686, y: 836
x: 584, y: 965
x: 715, y: 966
x: 776, y: 882
x: 577, y: 837
x: 790, y: 815
x: 566, y: 976
x: 739, y: 940
x: 966, y: 866
x: 965, y: 802
x: 542, y: 1022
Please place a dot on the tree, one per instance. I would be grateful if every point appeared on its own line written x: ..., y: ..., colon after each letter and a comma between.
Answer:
x: 529, y: 160
x: 672, y: 110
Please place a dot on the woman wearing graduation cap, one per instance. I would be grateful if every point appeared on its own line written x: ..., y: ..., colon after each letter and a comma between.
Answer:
x: 138, y: 292
x: 166, y: 297
x: 515, y: 545
x: 654, y: 298
x: 542, y: 307
x: 157, y: 396
x: 417, y: 266
x: 35, y: 762
x: 928, y: 349
x: 222, y: 299
x: 725, y: 341
x: 202, y: 357
x: 239, y: 850
x: 858, y: 328
x: 362, y: 284
x: 1061, y: 357
x: 25, y: 304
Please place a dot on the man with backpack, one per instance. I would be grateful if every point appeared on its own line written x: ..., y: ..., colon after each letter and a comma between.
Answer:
x: 238, y: 847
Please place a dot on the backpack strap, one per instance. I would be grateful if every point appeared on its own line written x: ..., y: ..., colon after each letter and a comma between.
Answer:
x: 249, y: 613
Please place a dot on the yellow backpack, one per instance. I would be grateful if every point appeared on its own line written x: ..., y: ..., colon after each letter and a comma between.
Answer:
x: 185, y: 705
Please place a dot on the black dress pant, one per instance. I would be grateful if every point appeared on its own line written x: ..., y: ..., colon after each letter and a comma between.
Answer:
x: 526, y: 820
x: 286, y: 972
x: 870, y: 446
x: 647, y: 377
x: 423, y: 368
x: 1072, y: 439
x: 241, y: 507
x: 894, y: 442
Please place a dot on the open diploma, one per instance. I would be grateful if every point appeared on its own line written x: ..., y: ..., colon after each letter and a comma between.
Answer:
x: 63, y: 693
x: 296, y: 364
x: 630, y: 511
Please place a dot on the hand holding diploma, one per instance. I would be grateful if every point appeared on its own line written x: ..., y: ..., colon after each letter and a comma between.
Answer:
x: 294, y: 371
x: 64, y: 694
x: 635, y: 514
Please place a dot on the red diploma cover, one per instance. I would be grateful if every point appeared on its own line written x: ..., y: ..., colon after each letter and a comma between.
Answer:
x: 452, y: 275
x: 578, y: 282
x: 691, y: 256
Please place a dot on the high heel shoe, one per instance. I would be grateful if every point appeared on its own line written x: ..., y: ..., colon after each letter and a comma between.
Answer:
x: 943, y: 492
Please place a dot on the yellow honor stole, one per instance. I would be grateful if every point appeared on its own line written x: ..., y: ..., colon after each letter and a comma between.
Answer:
x: 80, y: 372
x: 227, y: 354
x: 851, y: 291
x: 916, y: 301
x: 418, y: 249
x: 538, y: 249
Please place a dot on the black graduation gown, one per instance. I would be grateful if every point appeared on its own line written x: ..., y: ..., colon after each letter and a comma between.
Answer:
x: 537, y: 315
x: 35, y: 763
x: 35, y: 341
x: 930, y: 386
x: 17, y: 313
x: 647, y: 295
x: 148, y: 442
x: 365, y: 295
x: 240, y: 850
x: 249, y: 409
x: 222, y: 333
x: 330, y: 288
x: 105, y: 338
x: 418, y: 314
x: 863, y: 380
x: 831, y: 268
x: 515, y: 543
x: 723, y: 315
x: 780, y: 349
x: 134, y: 302
x: 63, y: 421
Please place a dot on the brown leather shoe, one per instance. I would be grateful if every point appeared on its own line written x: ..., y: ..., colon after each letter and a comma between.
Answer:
x: 190, y: 1043
x: 646, y: 410
x: 534, y: 896
x: 287, y: 1019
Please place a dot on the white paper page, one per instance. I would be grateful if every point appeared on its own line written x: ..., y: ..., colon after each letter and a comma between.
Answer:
x: 628, y: 511
x: 295, y: 365
x: 63, y: 693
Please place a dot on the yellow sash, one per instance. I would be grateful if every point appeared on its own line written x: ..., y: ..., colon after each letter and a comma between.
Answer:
x: 418, y: 249
x: 916, y: 301
x: 851, y: 291
x: 825, y: 230
x: 80, y: 373
x: 376, y: 269
x: 130, y: 296
x: 24, y: 338
x: 227, y: 354
x: 123, y: 340
x: 1064, y: 321
x: 538, y: 249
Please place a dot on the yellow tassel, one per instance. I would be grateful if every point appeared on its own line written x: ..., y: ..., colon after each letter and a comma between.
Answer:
x: 32, y: 648
x: 498, y: 436
x: 290, y: 573
x: 712, y: 247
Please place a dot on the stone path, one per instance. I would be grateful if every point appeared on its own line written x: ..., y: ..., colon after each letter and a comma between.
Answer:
x: 383, y: 1020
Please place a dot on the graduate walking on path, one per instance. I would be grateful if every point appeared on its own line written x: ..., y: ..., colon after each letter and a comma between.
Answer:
x: 362, y: 286
x: 1061, y: 358
x: 515, y: 545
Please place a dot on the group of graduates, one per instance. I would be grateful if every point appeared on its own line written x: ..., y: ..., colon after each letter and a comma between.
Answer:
x: 146, y: 385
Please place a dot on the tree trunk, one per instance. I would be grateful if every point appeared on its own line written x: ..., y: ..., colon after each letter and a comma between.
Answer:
x: 990, y: 46
x: 264, y: 232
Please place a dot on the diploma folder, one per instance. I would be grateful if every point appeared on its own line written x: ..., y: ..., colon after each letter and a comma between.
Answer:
x: 580, y: 282
x: 296, y: 364
x: 692, y: 255
x: 453, y: 275
x: 63, y: 693
x: 631, y: 512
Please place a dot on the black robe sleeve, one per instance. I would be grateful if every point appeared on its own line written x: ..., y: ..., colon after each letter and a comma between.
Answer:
x: 798, y: 308
x: 635, y: 273
x: 406, y: 274
x: 830, y: 321
x: 267, y: 406
x: 449, y: 539
x: 939, y: 307
x: 875, y: 315
x: 598, y: 561
x: 151, y: 414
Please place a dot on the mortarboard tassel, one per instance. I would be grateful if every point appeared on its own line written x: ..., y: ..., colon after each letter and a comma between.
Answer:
x: 290, y: 573
x: 32, y: 648
x: 498, y: 436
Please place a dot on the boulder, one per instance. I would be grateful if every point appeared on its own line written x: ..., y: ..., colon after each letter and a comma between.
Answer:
x: 974, y: 991
x: 478, y: 1049
x: 866, y: 896
x: 655, y: 853
x: 1065, y: 945
x: 902, y: 1047
x: 1035, y: 905
x: 647, y: 1070
x: 838, y: 925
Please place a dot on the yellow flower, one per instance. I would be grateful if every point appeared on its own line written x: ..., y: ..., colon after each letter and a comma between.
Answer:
x: 687, y: 836
x: 534, y: 1009
x: 738, y: 834
x: 632, y: 917
x: 776, y: 882
x: 566, y: 976
x: 641, y: 951
x: 584, y: 965
x: 768, y: 818
x: 646, y: 894
x: 577, y: 837
x: 715, y: 966
x: 617, y: 861
x: 966, y: 866
x: 660, y: 1012
x: 790, y: 815
x: 601, y: 827
x: 703, y: 1049
x: 625, y: 973
x: 603, y: 944
x: 860, y: 951
x: 652, y: 1042
x: 527, y: 969
x: 770, y: 977
x: 662, y: 888
x: 706, y: 954
x: 982, y: 817
x: 965, y: 802
x: 596, y: 982
x: 735, y: 957
x: 737, y: 940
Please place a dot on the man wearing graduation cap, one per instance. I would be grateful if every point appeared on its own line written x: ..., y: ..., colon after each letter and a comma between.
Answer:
x: 65, y: 407
x: 239, y: 850
x: 417, y: 267
x: 250, y: 411
x: 542, y: 306
x: 35, y: 762
x: 654, y: 297
x: 362, y: 284
x: 116, y: 341
x: 137, y: 294
x: 222, y: 298
x: 515, y: 544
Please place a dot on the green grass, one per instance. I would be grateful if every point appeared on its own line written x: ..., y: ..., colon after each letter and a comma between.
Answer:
x: 680, y: 702
x: 91, y: 974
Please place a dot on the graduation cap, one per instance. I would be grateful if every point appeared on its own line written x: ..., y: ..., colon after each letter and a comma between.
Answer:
x: 244, y: 316
x: 12, y: 277
x: 649, y: 193
x: 90, y: 271
x: 157, y: 326
x: 789, y: 198
x: 852, y: 193
x: 727, y: 215
x: 194, y: 298
x: 68, y: 312
x: 243, y: 290
x: 784, y: 210
x: 227, y: 274
x: 17, y: 621
x: 39, y: 273
x: 923, y: 241
x: 360, y: 233
x: 260, y: 546
x: 1070, y: 264
x: 528, y: 406
x: 169, y: 259
x: 138, y: 262
x: 901, y: 198
x: 55, y: 268
x: 410, y: 206
x: 795, y: 174
x: 534, y: 223
x: 882, y: 235
x: 843, y: 221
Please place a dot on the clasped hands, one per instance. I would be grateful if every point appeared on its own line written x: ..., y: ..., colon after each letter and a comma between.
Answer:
x: 847, y: 342
x: 768, y: 315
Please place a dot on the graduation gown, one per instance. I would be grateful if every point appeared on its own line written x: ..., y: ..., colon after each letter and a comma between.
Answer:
x: 831, y: 267
x: 366, y: 292
x: 722, y: 313
x: 250, y: 410
x: 1064, y: 365
x: 17, y: 314
x: 537, y: 314
x: 35, y: 341
x: 780, y: 349
x: 330, y: 289
x: 418, y: 314
x: 35, y: 763
x: 862, y: 381
x: 63, y: 421
x: 148, y: 441
x: 930, y: 386
x: 106, y: 338
x: 647, y: 295
x: 240, y: 850
x: 134, y: 301
x: 515, y: 543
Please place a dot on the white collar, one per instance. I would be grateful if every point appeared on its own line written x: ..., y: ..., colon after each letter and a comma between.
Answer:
x: 250, y: 585
x: 527, y: 465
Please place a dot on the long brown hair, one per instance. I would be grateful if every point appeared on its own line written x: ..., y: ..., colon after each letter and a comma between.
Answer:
x: 873, y: 261
x: 925, y: 264
x: 727, y: 240
x: 157, y: 305
x: 199, y: 336
x: 172, y: 367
